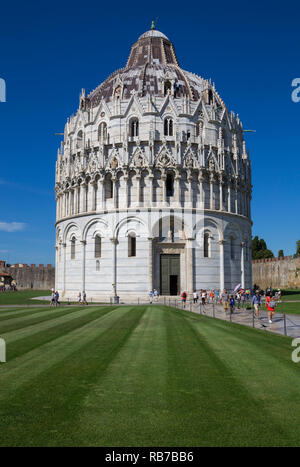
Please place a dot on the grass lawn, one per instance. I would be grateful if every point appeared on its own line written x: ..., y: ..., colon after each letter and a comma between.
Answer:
x: 292, y: 308
x: 23, y: 297
x: 143, y: 376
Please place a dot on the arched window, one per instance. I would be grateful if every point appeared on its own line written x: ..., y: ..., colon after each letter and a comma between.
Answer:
x: 206, y: 245
x: 131, y: 245
x: 134, y: 127
x: 231, y: 247
x: 79, y: 142
x: 73, y: 247
x: 108, y: 188
x: 170, y: 184
x: 168, y: 127
x: 188, y: 135
x: 102, y: 133
x: 97, y: 246
x: 167, y: 87
x: 210, y: 97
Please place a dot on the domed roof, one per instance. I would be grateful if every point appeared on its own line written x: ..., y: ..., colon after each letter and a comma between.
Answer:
x: 152, y: 61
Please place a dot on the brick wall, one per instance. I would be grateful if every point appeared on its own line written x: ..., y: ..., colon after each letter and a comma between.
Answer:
x: 276, y: 272
x: 39, y: 277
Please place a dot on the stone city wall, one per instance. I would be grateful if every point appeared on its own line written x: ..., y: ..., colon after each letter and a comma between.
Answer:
x: 276, y: 272
x: 31, y: 277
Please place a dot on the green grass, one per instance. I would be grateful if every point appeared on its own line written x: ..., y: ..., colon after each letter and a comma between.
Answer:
x: 23, y: 297
x: 143, y: 376
x: 286, y: 307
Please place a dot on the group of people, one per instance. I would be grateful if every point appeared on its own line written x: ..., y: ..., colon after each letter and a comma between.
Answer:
x: 54, y: 298
x: 153, y: 295
x: 81, y: 298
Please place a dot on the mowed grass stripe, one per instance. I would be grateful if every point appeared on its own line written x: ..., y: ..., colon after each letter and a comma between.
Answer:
x: 44, y: 315
x: 58, y: 392
x: 26, y: 311
x: 22, y: 369
x: 60, y: 327
x: 14, y: 335
x: 127, y: 402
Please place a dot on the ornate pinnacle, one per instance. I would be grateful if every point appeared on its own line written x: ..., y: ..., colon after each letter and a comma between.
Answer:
x: 153, y: 24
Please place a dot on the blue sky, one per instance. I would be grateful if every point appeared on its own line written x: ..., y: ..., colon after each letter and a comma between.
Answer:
x: 49, y: 51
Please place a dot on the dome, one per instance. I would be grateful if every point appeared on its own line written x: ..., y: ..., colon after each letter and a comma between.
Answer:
x: 152, y: 60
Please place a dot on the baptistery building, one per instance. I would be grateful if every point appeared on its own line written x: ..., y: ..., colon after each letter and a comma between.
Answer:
x: 152, y: 184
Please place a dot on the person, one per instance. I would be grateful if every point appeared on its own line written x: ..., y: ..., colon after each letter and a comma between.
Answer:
x: 238, y: 299
x: 279, y: 294
x: 270, y: 306
x: 84, y: 301
x: 231, y: 303
x: 155, y: 293
x: 150, y: 296
x: 195, y: 296
x: 203, y: 296
x: 79, y: 298
x: 256, y: 301
x: 243, y: 300
x: 217, y: 296
x: 183, y: 297
x: 211, y: 296
x: 225, y: 300
x: 52, y: 302
x: 56, y: 298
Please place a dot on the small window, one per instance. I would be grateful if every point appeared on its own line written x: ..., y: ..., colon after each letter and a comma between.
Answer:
x: 97, y: 246
x: 131, y: 245
x: 73, y: 248
x: 97, y: 265
x: 206, y: 245
x: 134, y: 127
x: 188, y: 135
x: 168, y: 127
x: 108, y: 188
x: 167, y: 87
x: 170, y: 185
x: 102, y: 133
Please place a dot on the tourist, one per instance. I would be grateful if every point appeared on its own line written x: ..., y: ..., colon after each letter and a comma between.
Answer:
x: 183, y: 298
x: 279, y: 294
x: 150, y: 296
x: 231, y: 303
x: 225, y: 298
x: 238, y: 299
x: 195, y: 296
x: 155, y: 293
x: 211, y: 296
x: 217, y: 296
x: 243, y: 300
x: 79, y: 298
x: 203, y: 297
x: 56, y: 298
x: 270, y: 306
x: 256, y: 301
x: 52, y: 302
x: 84, y: 301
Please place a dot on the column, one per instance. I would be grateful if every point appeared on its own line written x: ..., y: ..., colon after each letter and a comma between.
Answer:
x: 229, y: 196
x: 100, y: 194
x: 222, y: 267
x: 126, y: 203
x: 75, y: 200
x: 201, y: 180
x: 83, y: 243
x: 221, y: 194
x: 211, y: 201
x: 64, y: 268
x: 189, y: 265
x: 178, y: 189
x: 236, y: 199
x: 150, y: 263
x: 93, y: 192
x: 83, y: 197
x: 164, y: 189
x: 190, y: 181
x: 243, y: 264
x: 138, y: 189
x: 114, y: 266
x: 115, y: 197
x: 151, y: 181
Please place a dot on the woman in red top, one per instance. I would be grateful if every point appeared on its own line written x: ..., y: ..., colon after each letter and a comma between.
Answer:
x: 271, y: 309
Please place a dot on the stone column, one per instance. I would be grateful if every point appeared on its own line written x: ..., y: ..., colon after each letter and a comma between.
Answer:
x: 190, y: 181
x: 151, y: 181
x: 229, y: 196
x: 64, y: 268
x: 115, y: 198
x: 126, y: 180
x: 100, y: 193
x: 221, y: 193
x: 150, y: 263
x: 178, y: 189
x: 236, y: 199
x: 93, y: 193
x: 189, y: 265
x: 138, y: 189
x: 211, y: 183
x: 114, y: 266
x: 222, y: 266
x: 201, y: 179
x: 83, y: 243
x: 164, y: 189
x: 243, y: 264
x: 83, y: 196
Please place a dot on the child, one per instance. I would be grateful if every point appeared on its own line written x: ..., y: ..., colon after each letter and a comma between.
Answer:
x: 231, y: 303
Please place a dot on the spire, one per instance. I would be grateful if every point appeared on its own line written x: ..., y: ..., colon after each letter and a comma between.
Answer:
x: 153, y: 24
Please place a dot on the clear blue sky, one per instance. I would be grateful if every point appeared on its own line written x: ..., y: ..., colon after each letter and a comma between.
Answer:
x: 49, y: 51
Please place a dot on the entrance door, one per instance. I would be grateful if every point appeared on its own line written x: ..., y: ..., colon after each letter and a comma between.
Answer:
x: 169, y: 274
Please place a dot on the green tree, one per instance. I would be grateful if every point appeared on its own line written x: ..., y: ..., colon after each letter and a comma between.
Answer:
x: 280, y: 254
x: 260, y: 250
x: 298, y: 248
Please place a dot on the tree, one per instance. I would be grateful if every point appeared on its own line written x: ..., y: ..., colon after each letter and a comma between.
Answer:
x: 298, y: 248
x: 259, y: 249
x: 280, y: 254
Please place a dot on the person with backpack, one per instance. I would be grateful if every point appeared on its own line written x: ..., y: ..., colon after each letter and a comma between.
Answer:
x: 256, y: 302
x: 270, y: 303
x: 183, y: 297
x: 231, y: 303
